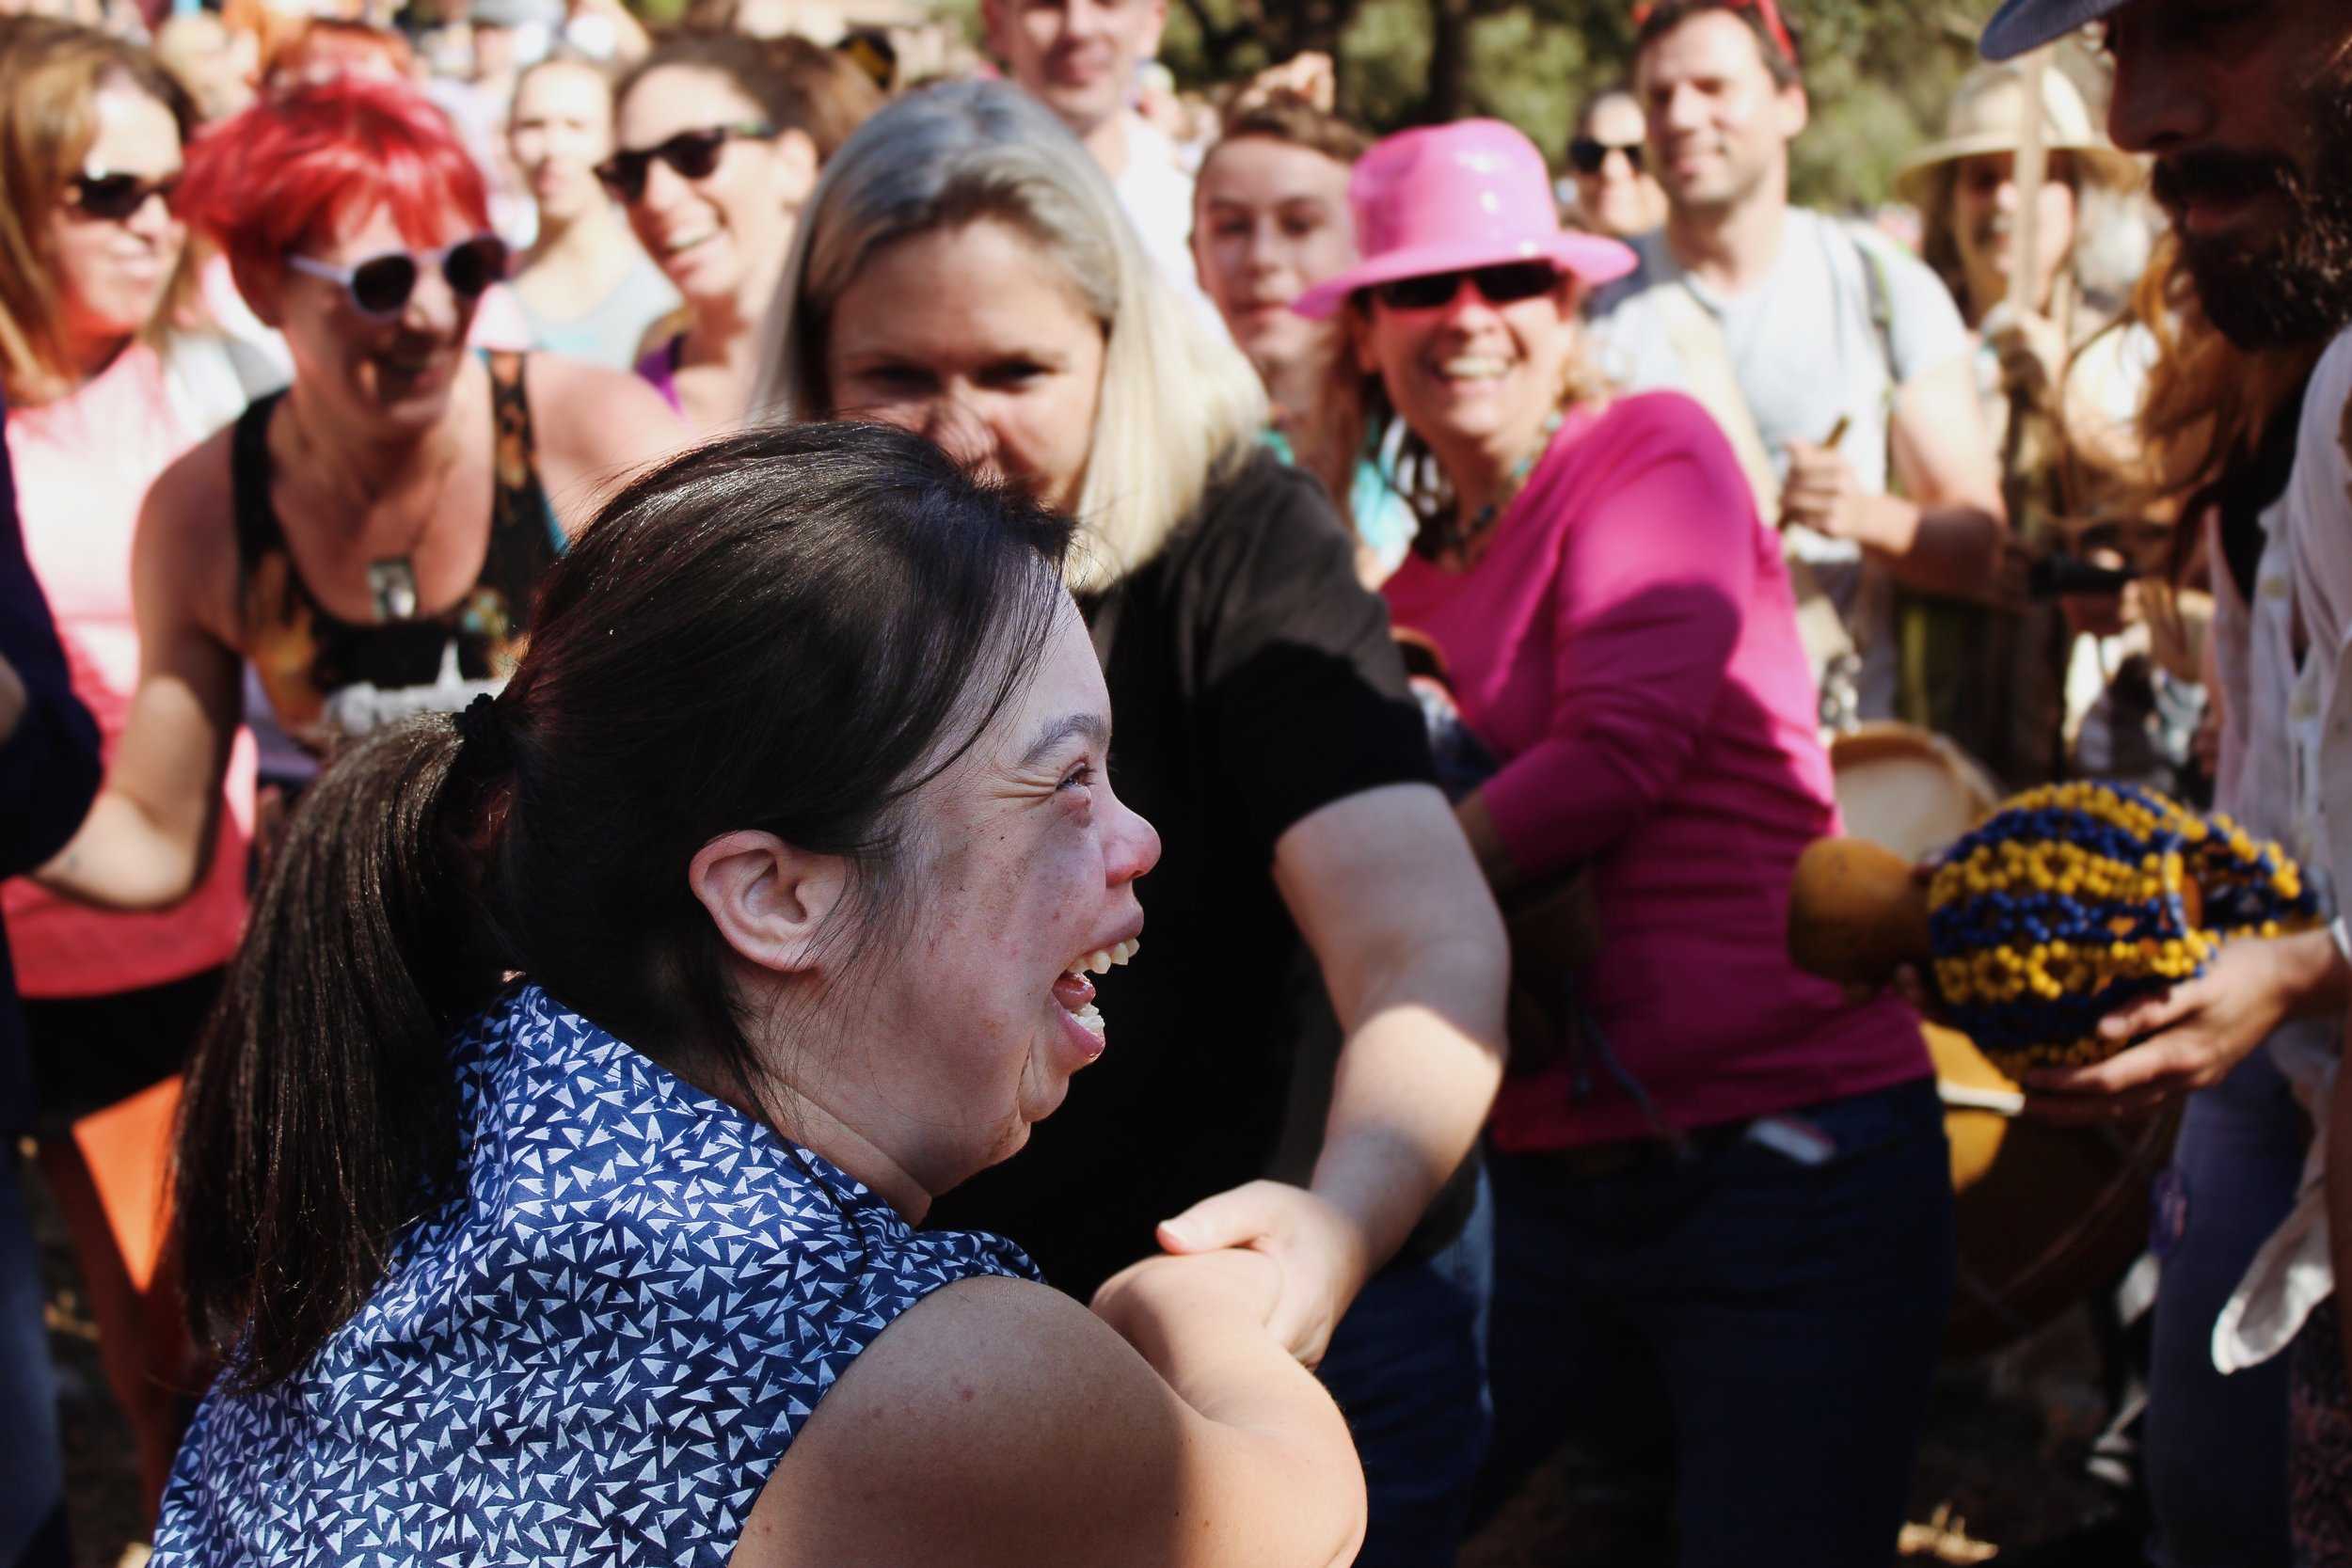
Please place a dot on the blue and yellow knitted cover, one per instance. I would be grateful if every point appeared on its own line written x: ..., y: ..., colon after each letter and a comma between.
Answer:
x: 2076, y: 898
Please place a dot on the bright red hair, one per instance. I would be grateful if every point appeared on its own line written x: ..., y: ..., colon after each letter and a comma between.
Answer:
x: 292, y: 169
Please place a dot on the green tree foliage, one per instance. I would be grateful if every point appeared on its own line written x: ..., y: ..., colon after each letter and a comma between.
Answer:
x: 1879, y: 72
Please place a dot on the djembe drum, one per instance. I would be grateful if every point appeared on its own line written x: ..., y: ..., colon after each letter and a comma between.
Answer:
x: 2046, y: 1214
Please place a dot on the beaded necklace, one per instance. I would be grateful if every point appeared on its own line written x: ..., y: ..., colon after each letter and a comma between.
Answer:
x: 2075, y: 898
x: 1457, y: 539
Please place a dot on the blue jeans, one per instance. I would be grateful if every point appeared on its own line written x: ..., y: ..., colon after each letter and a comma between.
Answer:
x: 1408, y: 1365
x: 1766, y: 1327
x: 2215, y: 1448
x: 32, y: 1498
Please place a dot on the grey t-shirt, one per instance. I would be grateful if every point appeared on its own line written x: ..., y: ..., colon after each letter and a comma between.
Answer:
x: 1806, y: 350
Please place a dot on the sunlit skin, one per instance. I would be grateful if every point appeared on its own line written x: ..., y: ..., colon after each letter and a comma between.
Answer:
x: 962, y: 1037
x: 1269, y: 219
x: 1079, y: 58
x: 111, y: 275
x: 561, y: 129
x: 1474, y: 380
x: 1618, y: 198
x: 975, y: 338
x: 1719, y: 125
x: 391, y: 375
x: 1984, y: 225
x: 722, y: 240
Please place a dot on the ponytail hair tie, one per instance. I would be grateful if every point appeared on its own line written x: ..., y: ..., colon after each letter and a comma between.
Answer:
x: 482, y: 737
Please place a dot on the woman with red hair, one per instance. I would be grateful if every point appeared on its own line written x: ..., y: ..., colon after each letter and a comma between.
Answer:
x: 373, y: 538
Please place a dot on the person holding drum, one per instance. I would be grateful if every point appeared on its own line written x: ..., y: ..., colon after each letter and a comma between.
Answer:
x: 1721, y: 1203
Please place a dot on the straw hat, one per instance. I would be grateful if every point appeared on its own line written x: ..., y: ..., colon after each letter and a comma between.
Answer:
x: 1988, y: 115
x: 1451, y: 198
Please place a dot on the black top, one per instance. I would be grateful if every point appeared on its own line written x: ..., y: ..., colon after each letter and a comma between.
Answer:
x: 307, y: 657
x: 48, y: 766
x: 1252, y: 680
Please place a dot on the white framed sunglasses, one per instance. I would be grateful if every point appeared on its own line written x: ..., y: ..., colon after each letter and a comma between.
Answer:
x: 380, y: 286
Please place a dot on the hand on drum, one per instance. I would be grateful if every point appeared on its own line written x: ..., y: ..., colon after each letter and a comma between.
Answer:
x: 1319, y: 1249
x: 2188, y: 1037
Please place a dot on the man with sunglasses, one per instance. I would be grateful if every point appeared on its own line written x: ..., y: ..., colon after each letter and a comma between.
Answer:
x: 2246, y: 109
x: 1615, y: 192
x: 1836, y: 364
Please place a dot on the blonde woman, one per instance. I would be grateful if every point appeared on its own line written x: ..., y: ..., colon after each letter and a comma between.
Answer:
x: 103, y: 394
x: 962, y: 270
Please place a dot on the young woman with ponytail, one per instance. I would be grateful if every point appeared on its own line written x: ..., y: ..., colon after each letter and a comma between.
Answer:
x: 548, y: 1172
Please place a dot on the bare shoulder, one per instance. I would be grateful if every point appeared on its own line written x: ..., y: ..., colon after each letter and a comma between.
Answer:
x: 996, y: 1422
x: 596, y: 428
x: 186, y: 549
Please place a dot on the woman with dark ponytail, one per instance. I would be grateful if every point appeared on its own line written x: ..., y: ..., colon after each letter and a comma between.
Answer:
x: 548, y: 1172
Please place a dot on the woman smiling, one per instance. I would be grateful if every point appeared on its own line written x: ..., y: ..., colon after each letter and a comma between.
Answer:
x: 965, y: 273
x: 1727, y: 1190
x: 373, y: 538
x: 616, y: 1261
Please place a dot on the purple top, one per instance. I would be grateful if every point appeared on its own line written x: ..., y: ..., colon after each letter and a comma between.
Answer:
x: 659, y: 370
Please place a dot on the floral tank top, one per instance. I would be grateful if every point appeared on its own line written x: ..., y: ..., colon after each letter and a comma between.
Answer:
x: 328, y: 678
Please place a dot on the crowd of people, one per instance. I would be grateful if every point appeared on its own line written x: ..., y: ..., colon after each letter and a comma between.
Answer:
x: 758, y: 811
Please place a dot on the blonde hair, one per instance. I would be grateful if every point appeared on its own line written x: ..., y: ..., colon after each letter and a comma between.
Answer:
x: 1179, y: 406
x: 51, y: 74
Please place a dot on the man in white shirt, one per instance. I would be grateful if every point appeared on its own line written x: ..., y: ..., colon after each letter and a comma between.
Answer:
x: 1079, y: 58
x: 1836, y: 361
x: 2248, y: 110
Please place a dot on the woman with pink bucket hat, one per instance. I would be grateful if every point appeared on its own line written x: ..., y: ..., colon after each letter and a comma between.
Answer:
x: 1724, y: 1223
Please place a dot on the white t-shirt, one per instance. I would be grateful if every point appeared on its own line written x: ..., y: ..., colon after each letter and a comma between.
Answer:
x: 2319, y: 543
x: 1806, y: 350
x: 1156, y: 193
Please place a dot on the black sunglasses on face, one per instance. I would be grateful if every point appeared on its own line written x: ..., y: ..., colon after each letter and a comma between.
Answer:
x: 1506, y: 283
x: 380, y: 286
x: 116, y: 197
x: 692, y: 154
x: 1587, y: 154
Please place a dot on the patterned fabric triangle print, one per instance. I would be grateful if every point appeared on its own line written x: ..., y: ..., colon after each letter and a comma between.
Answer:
x: 595, y: 1352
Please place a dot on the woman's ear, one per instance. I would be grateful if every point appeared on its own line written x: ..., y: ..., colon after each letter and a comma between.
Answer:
x: 770, y: 900
x: 796, y: 168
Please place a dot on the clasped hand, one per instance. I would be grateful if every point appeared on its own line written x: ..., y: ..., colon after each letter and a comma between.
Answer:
x: 1317, y: 1248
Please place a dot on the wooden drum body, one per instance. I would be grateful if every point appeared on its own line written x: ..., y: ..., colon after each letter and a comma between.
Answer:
x: 2046, y: 1214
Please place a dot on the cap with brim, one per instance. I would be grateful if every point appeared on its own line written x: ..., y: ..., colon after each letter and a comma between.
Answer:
x: 2023, y: 25
x: 1451, y: 198
x: 1988, y: 115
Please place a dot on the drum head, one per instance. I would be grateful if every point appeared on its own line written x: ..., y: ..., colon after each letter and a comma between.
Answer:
x: 1907, y: 788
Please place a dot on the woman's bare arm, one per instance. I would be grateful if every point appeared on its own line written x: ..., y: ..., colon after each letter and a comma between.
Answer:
x: 1000, y: 1423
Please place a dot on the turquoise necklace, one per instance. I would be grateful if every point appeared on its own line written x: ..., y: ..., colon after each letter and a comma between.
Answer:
x: 1455, y: 539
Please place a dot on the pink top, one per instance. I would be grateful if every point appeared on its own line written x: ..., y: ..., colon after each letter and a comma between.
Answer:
x: 82, y: 466
x: 1627, y: 647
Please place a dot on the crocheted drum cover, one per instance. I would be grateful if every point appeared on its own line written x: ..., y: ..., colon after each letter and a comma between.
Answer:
x: 2070, y: 902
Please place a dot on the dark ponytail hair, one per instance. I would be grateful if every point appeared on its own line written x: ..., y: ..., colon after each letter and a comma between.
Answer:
x: 791, y: 630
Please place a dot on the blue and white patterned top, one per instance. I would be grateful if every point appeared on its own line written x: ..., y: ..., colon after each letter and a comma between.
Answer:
x: 596, y: 1352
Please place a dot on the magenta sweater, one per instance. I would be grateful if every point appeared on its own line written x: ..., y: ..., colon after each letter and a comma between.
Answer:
x: 1627, y: 647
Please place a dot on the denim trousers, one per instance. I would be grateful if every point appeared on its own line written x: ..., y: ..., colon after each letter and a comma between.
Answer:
x: 32, y: 1498
x: 2214, y: 1448
x: 1408, y: 1366
x: 1759, y: 1319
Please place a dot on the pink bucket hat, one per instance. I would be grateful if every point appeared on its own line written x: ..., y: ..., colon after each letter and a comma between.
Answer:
x: 1449, y: 198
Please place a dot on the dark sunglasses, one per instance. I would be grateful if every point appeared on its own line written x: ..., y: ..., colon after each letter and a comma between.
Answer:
x: 116, y: 196
x: 1587, y: 154
x: 380, y: 286
x: 692, y: 154
x: 1506, y: 283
